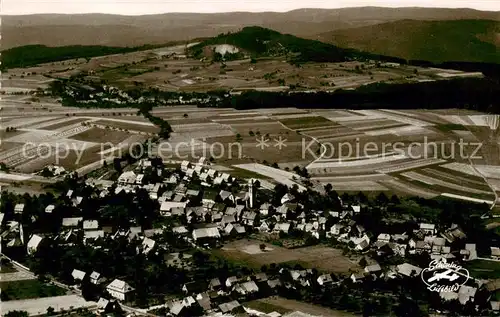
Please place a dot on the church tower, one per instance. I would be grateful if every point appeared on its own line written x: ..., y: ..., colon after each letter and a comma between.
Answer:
x: 251, y: 194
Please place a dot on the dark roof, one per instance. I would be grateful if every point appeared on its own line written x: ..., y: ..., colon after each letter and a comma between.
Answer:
x: 196, y: 287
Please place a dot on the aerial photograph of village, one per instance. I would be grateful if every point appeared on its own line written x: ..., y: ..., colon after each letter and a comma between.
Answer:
x: 250, y: 158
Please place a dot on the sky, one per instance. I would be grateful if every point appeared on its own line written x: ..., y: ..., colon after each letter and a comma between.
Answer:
x: 137, y: 7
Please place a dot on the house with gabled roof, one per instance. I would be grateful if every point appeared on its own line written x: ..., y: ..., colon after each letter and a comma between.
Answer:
x: 283, y: 227
x: 194, y: 287
x: 283, y: 209
x: 172, y: 179
x: 427, y: 228
x: 403, y: 237
x: 336, y: 230
x: 358, y: 277
x: 203, y: 234
x: 229, y: 307
x: 361, y: 243
x: 466, y: 294
x: 212, y: 173
x: 185, y: 165
x: 105, y: 306
x: 203, y: 176
x: 234, y: 229
x: 95, y: 278
x: 148, y: 244
x: 246, y: 288
x: 167, y: 206
x: 264, y: 209
x: 49, y: 209
x: 90, y: 225
x: 408, y: 270
x: 495, y: 253
x: 77, y: 201
x: 374, y: 268
x: 264, y: 226
x: 78, y: 275
x: 192, y: 192
x: 18, y: 208
x: 384, y: 237
x: 190, y: 173
x: 119, y: 289
x: 324, y: 279
x: 71, y: 222
x: 198, y: 169
x: 224, y: 194
x: 227, y: 177
x: 218, y: 180
x: 469, y: 253
x: 453, y: 233
x: 215, y: 284
x: 33, y: 243
x: 92, y: 235
x: 230, y: 281
x: 249, y: 218
x: 128, y: 177
x: 287, y: 198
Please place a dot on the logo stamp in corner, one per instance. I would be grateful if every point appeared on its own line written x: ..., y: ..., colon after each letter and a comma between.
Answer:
x: 442, y: 276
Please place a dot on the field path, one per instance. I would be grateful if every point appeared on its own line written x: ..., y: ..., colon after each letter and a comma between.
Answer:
x: 323, y: 147
x: 493, y: 205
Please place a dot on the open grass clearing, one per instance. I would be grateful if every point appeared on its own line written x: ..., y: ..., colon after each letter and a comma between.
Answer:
x: 294, y: 305
x: 7, y: 268
x: 265, y: 129
x: 432, y: 181
x: 489, y: 171
x: 343, y: 163
x: 182, y: 121
x: 102, y: 136
x: 449, y: 127
x: 372, y: 123
x: 4, y: 146
x: 394, y: 116
x: 249, y: 119
x: 401, y: 186
x: 331, y: 114
x: 405, y: 130
x: 483, y: 269
x: 68, y: 122
x: 426, y: 115
x: 356, y: 186
x: 321, y: 257
x: 410, y: 165
x: 70, y: 160
x: 461, y: 169
x: 194, y: 127
x: 26, y: 289
x: 265, y: 307
x: 251, y: 153
x: 460, y: 180
x: 452, y: 192
x: 465, y: 135
x: 39, y: 306
x: 307, y: 122
x: 128, y: 126
x: 243, y: 173
x: 467, y: 198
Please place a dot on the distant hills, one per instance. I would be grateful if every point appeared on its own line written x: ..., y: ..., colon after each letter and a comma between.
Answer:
x: 436, y: 41
x: 115, y: 30
x: 257, y: 41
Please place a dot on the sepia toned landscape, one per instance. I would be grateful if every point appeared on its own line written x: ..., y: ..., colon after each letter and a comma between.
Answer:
x: 315, y: 162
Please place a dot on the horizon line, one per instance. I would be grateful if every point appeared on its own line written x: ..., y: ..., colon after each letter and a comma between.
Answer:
x: 249, y: 11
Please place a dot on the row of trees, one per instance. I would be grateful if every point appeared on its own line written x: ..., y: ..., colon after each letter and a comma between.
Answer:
x: 479, y: 94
